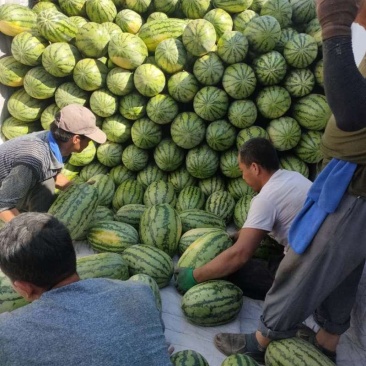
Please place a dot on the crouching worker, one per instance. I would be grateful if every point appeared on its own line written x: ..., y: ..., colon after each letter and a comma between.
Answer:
x: 30, y: 165
x: 70, y: 321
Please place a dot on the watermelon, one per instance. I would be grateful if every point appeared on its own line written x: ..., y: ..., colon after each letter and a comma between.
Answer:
x: 241, y: 20
x: 139, y: 6
x: 212, y: 303
x: 120, y: 173
x: 92, y: 169
x: 100, y: 11
x: 232, y: 6
x: 299, y: 82
x: 211, y: 103
x: 208, y: 69
x: 156, y: 15
x: 158, y: 192
x: 290, y: 161
x: 84, y: 157
x: 90, y: 74
x: 220, y: 19
x: 202, y: 161
x: 128, y: 192
x: 222, y: 204
x: 168, y: 156
x: 69, y: 93
x: 150, y: 174
x: 270, y: 68
x: 149, y: 80
x: 195, y: 9
x: 162, y: 109
x: 247, y: 133
x: 241, y: 209
x: 12, y: 127
x: 220, y: 135
x: 295, y: 352
x: 301, y: 50
x: 188, y: 357
x: 129, y: 21
x: 239, y: 359
x: 109, y: 153
x: 284, y: 133
x: 196, y: 218
x: 166, y: 6
x: 212, y: 184
x: 117, y: 128
x: 318, y: 73
x: 190, y: 197
x: 103, y: 103
x: 308, y: 148
x: 229, y: 164
x: 273, y: 101
x: 161, y: 227
x: 303, y: 11
x: 112, y: 236
x: 12, y: 72
x: 105, y: 186
x: 133, y: 106
x: 120, y: 81
x: 102, y: 213
x: 72, y: 7
x: 134, y: 158
x: 279, y: 9
x: 130, y: 214
x: 183, y: 86
x: 242, y: 113
x: 151, y: 261
x: 238, y: 187
x: 180, y: 178
x: 232, y: 47
x: 145, y: 133
x: 170, y: 55
x: 16, y: 18
x: 48, y: 115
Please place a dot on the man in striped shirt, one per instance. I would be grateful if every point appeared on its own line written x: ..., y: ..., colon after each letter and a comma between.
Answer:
x: 30, y: 165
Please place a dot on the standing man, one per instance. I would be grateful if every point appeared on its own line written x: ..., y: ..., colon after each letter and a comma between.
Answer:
x: 30, y: 165
x: 281, y: 194
x: 70, y: 321
x: 321, y: 271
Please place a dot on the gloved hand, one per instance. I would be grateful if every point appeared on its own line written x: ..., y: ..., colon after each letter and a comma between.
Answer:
x: 184, y: 279
x: 337, y: 16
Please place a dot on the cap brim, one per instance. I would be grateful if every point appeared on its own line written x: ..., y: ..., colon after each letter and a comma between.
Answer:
x: 98, y: 136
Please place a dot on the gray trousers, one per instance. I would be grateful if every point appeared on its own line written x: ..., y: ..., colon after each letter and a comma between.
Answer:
x: 323, y: 280
x: 39, y: 198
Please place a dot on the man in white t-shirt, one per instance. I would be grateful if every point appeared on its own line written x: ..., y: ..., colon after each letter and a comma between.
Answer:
x: 281, y: 194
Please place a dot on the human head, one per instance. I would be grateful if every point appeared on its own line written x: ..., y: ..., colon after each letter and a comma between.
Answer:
x: 36, y: 248
x: 257, y: 160
x: 74, y: 119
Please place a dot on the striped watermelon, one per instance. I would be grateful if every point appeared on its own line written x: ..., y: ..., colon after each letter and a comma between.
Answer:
x: 256, y: 5
x: 279, y: 9
x: 195, y: 9
x: 232, y: 6
x: 12, y: 72
x: 239, y: 81
x: 232, y: 47
x: 222, y: 204
x: 130, y: 214
x: 75, y: 207
x: 238, y: 187
x: 313, y: 28
x: 151, y: 261
x: 120, y: 81
x: 140, y: 6
x: 263, y: 33
x: 129, y: 191
x: 239, y: 359
x: 229, y: 164
x: 208, y: 69
x: 100, y: 11
x: 295, y: 352
x: 318, y: 73
x: 72, y: 7
x: 205, y: 248
x: 134, y: 158
x: 79, y: 21
x: 220, y: 135
x: 152, y: 33
x: 127, y: 50
x: 69, y: 93
x: 241, y: 210
x: 270, y: 68
x: 188, y: 130
x: 162, y: 109
x: 133, y: 106
x: 145, y: 133
x: 101, y: 213
x: 129, y: 21
x: 106, y: 265
x: 149, y: 80
x: 192, y: 235
x: 183, y: 86
x: 188, y: 357
x: 103, y: 103
x: 120, y: 173
x: 273, y: 101
x: 168, y: 156
x: 148, y: 280
x: 166, y: 6
x: 301, y: 50
x: 292, y: 162
x: 284, y: 133
x: 105, y: 186
x: 70, y: 171
x: 16, y: 18
x: 117, y: 128
x: 12, y: 127
x: 92, y: 169
x: 286, y: 35
x: 180, y: 178
x: 48, y: 115
x: 312, y: 111
x: 199, y: 37
x: 112, y: 236
x: 90, y: 74
x: 303, y: 11
x: 159, y: 192
x: 92, y: 40
x: 84, y: 157
x: 211, y: 103
x: 28, y: 47
x: 190, y: 197
x: 196, y: 218
x: 109, y: 153
x: 242, y: 113
x: 25, y: 108
x: 220, y: 19
x: 212, y: 184
x: 202, y: 161
x: 247, y: 133
x: 212, y: 303
x: 170, y: 55
x: 161, y: 227
x: 299, y: 82
x: 308, y: 148
x: 151, y: 173
x: 242, y: 19
x: 156, y: 15
x: 60, y: 58
x: 55, y: 26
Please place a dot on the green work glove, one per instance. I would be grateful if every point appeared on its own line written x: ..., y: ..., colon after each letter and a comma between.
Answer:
x: 184, y: 279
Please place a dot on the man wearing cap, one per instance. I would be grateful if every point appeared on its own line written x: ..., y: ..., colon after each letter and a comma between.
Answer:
x: 30, y: 165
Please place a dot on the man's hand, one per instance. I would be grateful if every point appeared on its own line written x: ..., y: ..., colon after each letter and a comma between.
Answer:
x: 184, y: 279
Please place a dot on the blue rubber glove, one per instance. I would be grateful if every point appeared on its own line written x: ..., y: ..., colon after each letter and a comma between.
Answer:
x: 184, y: 279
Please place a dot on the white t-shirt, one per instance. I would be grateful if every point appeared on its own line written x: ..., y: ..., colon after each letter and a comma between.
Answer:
x: 276, y: 205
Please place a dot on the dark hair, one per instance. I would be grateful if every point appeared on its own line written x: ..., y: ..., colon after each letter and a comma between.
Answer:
x: 59, y: 134
x: 37, y: 248
x: 260, y: 151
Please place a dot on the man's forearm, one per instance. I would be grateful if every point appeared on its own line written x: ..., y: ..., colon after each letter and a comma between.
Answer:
x: 8, y: 215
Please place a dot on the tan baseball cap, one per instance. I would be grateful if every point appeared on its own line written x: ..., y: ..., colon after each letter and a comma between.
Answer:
x: 79, y: 120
